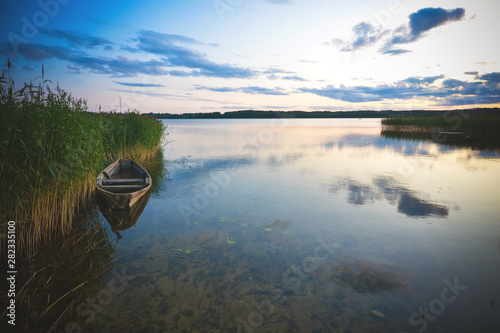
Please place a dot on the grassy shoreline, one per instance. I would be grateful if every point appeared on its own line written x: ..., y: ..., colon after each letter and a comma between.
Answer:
x: 51, y: 149
x: 459, y: 122
x: 476, y: 131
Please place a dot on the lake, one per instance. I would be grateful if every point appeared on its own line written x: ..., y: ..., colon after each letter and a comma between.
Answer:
x: 307, y: 225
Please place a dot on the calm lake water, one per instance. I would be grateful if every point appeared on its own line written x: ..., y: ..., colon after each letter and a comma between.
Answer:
x: 300, y: 225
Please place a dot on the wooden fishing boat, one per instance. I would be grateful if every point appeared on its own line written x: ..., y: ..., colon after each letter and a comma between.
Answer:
x: 452, y: 137
x: 122, y: 184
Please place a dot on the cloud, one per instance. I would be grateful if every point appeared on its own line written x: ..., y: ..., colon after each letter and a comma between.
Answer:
x: 168, y: 47
x: 141, y: 85
x: 485, y: 89
x: 422, y: 21
x: 170, y: 52
x: 272, y: 75
x: 394, y: 52
x: 186, y: 97
x: 366, y: 34
x: 293, y: 78
x: 263, y: 91
x: 148, y: 37
x: 247, y: 90
x: 428, y: 18
x: 79, y: 39
x: 119, y: 66
x: 74, y: 69
x: 36, y: 52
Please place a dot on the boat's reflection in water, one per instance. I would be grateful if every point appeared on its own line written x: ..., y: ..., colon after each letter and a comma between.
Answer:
x: 122, y: 219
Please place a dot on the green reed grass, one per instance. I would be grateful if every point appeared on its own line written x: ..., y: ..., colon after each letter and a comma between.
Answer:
x: 51, y: 149
x: 463, y: 122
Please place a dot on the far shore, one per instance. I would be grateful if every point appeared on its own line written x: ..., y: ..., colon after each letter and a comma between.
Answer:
x: 265, y: 114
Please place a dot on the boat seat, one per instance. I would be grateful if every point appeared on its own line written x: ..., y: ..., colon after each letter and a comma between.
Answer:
x: 122, y: 181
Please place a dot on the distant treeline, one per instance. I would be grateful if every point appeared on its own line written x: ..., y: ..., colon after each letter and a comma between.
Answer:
x: 257, y: 114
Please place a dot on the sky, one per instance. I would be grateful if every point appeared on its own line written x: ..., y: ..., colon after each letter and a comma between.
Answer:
x: 224, y: 55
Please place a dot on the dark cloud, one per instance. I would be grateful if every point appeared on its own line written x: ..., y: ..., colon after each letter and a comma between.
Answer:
x: 418, y: 80
x: 247, y: 90
x: 427, y: 18
x: 452, y: 84
x: 79, y: 39
x: 119, y: 66
x: 492, y: 78
x: 170, y: 50
x: 420, y: 22
x: 485, y: 89
x: 36, y: 52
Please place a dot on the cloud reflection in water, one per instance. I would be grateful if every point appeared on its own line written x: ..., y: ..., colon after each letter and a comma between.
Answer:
x: 387, y: 188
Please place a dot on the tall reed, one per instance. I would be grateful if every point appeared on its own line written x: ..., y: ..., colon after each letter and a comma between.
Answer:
x: 51, y: 149
x: 463, y: 122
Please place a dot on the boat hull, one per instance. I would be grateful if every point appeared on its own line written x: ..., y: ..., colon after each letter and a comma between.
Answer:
x: 122, y: 184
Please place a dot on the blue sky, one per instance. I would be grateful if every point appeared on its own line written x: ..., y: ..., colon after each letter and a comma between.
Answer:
x: 223, y: 55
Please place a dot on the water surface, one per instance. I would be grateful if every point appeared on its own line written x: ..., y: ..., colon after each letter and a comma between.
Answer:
x: 301, y: 225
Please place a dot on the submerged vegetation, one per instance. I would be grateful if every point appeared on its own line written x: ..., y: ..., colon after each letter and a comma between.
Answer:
x: 53, y: 285
x: 51, y: 149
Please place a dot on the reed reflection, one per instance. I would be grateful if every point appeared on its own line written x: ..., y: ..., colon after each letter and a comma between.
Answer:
x: 451, y: 139
x: 61, y: 276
